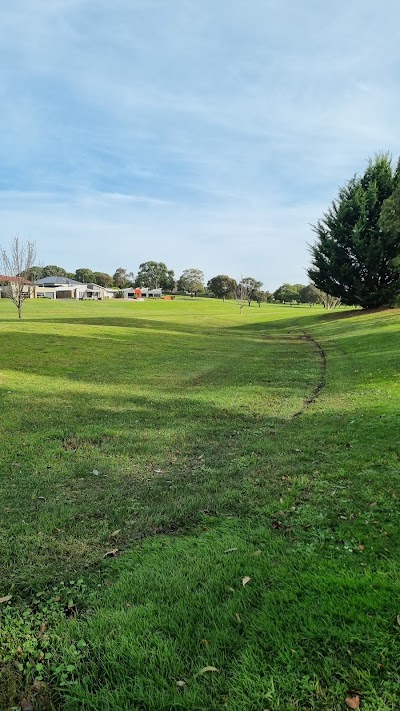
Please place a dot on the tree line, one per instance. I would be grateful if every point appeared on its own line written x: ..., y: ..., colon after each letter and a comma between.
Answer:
x: 354, y: 260
x: 157, y: 275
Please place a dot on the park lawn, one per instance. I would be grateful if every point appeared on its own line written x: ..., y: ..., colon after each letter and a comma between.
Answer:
x: 199, y: 447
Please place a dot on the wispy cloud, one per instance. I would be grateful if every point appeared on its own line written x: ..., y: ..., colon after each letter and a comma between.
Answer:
x: 198, y: 133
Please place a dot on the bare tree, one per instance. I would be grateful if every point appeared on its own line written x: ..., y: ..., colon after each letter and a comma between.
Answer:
x: 243, y: 294
x: 329, y: 301
x: 15, y: 264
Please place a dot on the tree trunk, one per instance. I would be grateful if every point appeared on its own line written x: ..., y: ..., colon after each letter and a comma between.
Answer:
x: 19, y: 311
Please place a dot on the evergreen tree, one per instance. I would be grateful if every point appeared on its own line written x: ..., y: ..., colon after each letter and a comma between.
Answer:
x: 155, y: 275
x: 191, y: 281
x: 353, y: 257
x: 222, y: 286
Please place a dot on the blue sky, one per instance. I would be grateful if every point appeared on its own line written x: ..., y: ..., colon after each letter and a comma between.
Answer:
x: 200, y: 133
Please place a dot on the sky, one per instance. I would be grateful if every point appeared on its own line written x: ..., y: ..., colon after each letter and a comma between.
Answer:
x: 202, y: 133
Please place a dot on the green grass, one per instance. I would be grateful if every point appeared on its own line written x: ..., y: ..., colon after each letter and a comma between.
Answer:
x: 207, y: 430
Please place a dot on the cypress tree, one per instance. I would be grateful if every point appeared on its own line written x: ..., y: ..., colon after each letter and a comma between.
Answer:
x: 354, y: 258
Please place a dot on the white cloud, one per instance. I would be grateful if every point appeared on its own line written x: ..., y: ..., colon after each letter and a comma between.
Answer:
x: 197, y: 133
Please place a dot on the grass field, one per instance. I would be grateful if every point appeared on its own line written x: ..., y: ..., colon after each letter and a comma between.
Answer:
x: 156, y: 455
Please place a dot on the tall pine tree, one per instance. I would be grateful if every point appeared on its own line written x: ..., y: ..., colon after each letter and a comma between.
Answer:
x: 354, y: 257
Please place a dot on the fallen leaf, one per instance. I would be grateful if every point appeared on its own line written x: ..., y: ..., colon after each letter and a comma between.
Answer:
x: 43, y: 627
x: 257, y: 553
x: 206, y: 669
x: 115, y: 533
x: 7, y: 598
x: 96, y: 472
x: 26, y: 705
x: 361, y: 547
x: 245, y: 580
x: 353, y: 702
x: 181, y: 684
x: 230, y: 550
x: 238, y: 617
x: 111, y: 554
x: 38, y: 685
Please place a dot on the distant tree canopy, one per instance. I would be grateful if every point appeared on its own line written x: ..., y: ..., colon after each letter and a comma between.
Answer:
x: 254, y: 289
x: 102, y: 279
x: 222, y: 286
x: 84, y: 275
x: 52, y: 270
x: 122, y: 278
x: 288, y: 292
x: 34, y: 273
x: 309, y: 294
x: 356, y: 253
x: 155, y: 275
x: 191, y: 281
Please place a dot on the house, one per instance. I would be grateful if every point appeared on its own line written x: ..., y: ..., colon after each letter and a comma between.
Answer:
x: 141, y: 292
x: 7, y: 280
x: 57, y: 287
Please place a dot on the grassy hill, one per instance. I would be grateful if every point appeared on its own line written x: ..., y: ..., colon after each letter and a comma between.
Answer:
x: 156, y: 455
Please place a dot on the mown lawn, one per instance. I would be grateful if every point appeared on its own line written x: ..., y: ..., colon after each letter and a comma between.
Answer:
x: 156, y: 455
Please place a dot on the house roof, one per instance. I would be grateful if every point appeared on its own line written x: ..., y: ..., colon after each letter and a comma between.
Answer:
x: 57, y: 281
x: 4, y: 278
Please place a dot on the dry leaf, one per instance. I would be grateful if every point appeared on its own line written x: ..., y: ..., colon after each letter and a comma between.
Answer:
x: 181, y: 684
x: 26, y: 705
x: 38, y: 685
x: 257, y: 553
x: 361, y: 547
x: 111, y: 554
x: 206, y: 669
x: 353, y: 702
x: 230, y: 550
x: 43, y: 627
x: 115, y: 533
x: 245, y: 580
x: 7, y: 598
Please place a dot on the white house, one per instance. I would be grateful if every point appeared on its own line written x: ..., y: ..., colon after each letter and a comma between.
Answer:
x: 57, y: 287
x: 141, y: 292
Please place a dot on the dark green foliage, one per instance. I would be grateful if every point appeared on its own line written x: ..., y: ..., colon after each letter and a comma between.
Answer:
x: 84, y: 275
x: 122, y: 278
x: 34, y: 273
x: 103, y: 279
x: 255, y: 293
x: 155, y: 275
x: 288, y: 292
x: 310, y: 295
x: 191, y: 281
x: 353, y: 255
x: 52, y: 270
x: 222, y: 286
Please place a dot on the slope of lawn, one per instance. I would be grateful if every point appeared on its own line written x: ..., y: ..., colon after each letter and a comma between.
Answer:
x: 195, y: 448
